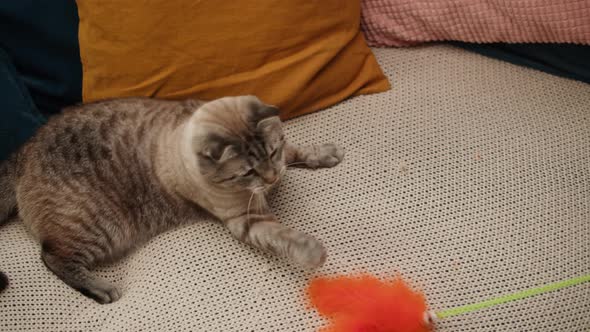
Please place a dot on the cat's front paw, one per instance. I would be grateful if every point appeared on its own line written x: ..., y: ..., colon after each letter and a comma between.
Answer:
x: 326, y: 155
x: 101, y: 291
x: 308, y: 253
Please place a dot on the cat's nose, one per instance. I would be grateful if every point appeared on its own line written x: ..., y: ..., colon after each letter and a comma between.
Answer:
x: 270, y: 177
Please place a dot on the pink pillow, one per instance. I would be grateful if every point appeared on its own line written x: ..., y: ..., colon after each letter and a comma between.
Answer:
x: 407, y: 22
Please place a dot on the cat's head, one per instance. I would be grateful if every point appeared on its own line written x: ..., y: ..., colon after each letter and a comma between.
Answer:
x: 238, y: 143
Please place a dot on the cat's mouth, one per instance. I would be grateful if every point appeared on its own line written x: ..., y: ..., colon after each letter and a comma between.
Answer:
x: 275, y: 182
x: 266, y: 188
x: 269, y: 185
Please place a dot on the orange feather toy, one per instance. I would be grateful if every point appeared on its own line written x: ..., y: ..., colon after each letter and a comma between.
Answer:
x: 367, y: 304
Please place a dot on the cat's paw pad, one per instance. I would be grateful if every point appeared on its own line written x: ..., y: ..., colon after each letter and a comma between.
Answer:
x: 327, y: 155
x: 309, y: 253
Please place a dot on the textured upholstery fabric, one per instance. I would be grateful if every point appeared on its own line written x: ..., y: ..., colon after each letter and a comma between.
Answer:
x: 471, y: 178
x: 408, y: 22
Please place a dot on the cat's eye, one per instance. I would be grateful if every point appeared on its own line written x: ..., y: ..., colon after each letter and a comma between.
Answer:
x: 249, y: 173
x: 276, y: 151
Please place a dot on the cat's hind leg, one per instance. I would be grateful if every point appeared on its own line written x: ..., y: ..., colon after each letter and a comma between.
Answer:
x: 72, y: 265
x: 313, y: 156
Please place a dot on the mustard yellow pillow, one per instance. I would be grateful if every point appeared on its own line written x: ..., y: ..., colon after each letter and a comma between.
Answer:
x: 301, y: 55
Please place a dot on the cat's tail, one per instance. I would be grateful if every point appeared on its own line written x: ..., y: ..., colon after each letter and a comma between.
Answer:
x: 7, y: 187
x: 3, y: 281
x: 7, y: 199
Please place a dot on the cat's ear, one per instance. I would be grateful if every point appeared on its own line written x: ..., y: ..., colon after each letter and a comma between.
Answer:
x: 217, y: 149
x: 261, y: 112
x: 266, y: 118
x: 219, y: 152
x: 269, y: 125
x: 266, y: 111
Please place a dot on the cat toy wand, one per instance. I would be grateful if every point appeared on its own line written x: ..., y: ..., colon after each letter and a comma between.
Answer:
x: 366, y: 304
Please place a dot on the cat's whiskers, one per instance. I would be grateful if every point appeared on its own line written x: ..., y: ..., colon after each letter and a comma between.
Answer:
x: 248, y: 209
x: 283, y: 171
x: 259, y: 205
x: 255, y: 191
x: 296, y: 163
x: 279, y: 177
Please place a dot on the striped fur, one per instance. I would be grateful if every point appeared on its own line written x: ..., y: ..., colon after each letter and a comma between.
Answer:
x: 100, y: 179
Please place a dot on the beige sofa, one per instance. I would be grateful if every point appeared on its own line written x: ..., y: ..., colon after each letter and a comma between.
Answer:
x: 471, y: 177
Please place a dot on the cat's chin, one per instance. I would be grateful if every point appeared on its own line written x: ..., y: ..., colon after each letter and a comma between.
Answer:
x: 264, y: 190
x: 271, y: 188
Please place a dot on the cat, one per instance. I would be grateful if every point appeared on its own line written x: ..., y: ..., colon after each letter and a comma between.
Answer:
x: 100, y: 179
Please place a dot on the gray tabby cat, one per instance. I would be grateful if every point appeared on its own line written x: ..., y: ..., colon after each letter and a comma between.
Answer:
x: 100, y: 179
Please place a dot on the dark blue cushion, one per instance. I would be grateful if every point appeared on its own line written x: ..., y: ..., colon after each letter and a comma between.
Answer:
x: 42, y: 39
x: 20, y: 117
x: 40, y: 53
x: 566, y: 60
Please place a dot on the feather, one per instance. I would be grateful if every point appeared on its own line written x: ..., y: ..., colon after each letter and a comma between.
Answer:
x: 366, y: 304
